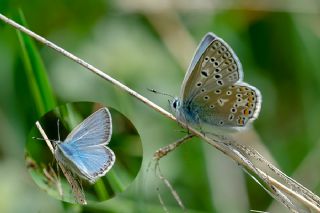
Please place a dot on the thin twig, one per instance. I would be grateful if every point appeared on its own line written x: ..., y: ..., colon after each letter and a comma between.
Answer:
x: 86, y: 65
x: 214, y: 142
x: 52, y: 177
x: 291, y: 182
x: 169, y: 186
x: 157, y: 156
x: 45, y: 137
x: 162, y: 202
x: 76, y: 189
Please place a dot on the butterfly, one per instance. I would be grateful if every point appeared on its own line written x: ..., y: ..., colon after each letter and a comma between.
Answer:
x: 84, y: 151
x: 213, y: 93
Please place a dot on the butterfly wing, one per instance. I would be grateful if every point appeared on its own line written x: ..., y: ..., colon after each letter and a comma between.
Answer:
x: 89, y: 162
x: 232, y: 106
x: 213, y: 91
x: 214, y: 65
x: 206, y: 41
x: 94, y: 130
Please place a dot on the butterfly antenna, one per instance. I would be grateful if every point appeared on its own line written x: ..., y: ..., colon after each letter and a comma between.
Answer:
x: 161, y: 93
x: 42, y: 139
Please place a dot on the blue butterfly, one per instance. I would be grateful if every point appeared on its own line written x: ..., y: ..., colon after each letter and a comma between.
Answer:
x: 213, y: 93
x: 84, y: 151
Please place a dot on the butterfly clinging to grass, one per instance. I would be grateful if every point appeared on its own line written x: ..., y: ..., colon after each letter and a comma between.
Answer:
x: 213, y: 93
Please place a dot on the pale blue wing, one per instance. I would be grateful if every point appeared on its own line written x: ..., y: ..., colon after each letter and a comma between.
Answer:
x: 88, y: 162
x: 94, y: 130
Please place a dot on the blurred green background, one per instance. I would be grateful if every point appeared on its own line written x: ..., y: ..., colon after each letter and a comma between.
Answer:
x: 149, y: 44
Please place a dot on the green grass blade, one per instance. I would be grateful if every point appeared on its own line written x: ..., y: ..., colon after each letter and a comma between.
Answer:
x: 36, y: 73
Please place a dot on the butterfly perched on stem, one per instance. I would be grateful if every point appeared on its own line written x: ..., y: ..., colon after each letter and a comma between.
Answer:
x: 84, y: 151
x: 213, y: 93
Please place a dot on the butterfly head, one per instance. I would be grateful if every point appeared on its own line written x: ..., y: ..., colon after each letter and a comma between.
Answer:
x: 175, y: 104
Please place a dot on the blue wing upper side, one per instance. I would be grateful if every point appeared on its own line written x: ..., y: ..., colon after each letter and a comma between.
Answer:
x: 88, y: 162
x: 94, y: 130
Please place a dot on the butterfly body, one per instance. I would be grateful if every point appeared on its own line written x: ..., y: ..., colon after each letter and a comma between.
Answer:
x: 84, y: 151
x: 213, y: 93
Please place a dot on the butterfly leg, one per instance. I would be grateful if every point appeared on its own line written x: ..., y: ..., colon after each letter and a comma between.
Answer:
x: 198, y: 124
x: 160, y: 153
x: 183, y: 122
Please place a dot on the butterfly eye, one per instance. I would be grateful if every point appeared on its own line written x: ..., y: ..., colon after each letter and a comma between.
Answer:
x: 199, y: 84
x: 228, y: 92
x: 206, y: 97
x: 174, y: 104
x: 217, y: 91
x: 212, y: 59
x: 231, y: 116
x: 206, y: 58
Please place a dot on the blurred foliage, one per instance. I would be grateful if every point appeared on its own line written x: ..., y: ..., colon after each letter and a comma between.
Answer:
x: 145, y: 44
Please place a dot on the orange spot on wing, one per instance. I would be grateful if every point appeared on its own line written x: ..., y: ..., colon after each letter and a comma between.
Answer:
x: 246, y: 112
x: 241, y: 121
x: 250, y: 99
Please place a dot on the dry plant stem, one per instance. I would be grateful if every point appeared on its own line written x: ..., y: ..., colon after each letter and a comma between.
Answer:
x: 76, y: 190
x: 161, y: 202
x: 273, y: 191
x: 216, y: 143
x: 292, y: 183
x: 169, y: 186
x: 257, y: 211
x: 45, y: 137
x: 52, y: 176
x: 160, y: 153
x: 85, y: 65
x: 280, y: 190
